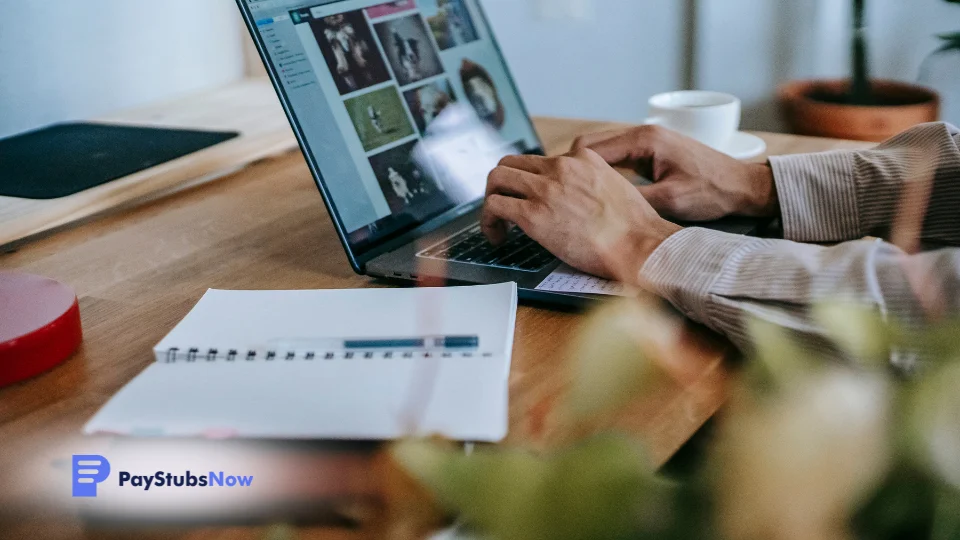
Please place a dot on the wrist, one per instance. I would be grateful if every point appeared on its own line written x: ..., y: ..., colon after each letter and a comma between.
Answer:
x: 761, y: 198
x: 647, y: 240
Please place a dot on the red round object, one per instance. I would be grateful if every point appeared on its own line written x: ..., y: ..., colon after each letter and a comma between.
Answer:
x: 39, y: 325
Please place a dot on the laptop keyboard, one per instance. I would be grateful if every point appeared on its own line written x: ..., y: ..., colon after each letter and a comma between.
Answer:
x: 519, y: 252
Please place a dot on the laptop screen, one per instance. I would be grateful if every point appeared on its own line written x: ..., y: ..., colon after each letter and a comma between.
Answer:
x: 404, y: 107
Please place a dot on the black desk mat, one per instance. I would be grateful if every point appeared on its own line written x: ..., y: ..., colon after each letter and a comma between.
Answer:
x: 63, y: 159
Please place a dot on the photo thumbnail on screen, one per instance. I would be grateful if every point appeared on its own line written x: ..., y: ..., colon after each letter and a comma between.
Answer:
x: 428, y: 101
x: 409, y: 49
x: 407, y: 186
x: 379, y: 117
x: 482, y: 92
x: 350, y: 51
x: 452, y: 26
x: 391, y: 8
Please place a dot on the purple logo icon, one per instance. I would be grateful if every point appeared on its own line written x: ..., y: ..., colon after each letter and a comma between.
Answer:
x: 88, y: 471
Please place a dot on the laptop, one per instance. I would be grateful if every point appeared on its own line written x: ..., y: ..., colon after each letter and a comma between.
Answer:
x: 401, y: 110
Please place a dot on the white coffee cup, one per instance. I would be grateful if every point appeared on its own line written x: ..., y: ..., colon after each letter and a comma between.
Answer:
x: 712, y: 118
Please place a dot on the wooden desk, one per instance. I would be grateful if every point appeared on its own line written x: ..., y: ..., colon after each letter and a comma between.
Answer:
x: 248, y: 107
x: 138, y: 272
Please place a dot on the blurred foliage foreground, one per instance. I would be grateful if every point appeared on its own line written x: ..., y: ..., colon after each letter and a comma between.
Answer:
x: 807, y: 449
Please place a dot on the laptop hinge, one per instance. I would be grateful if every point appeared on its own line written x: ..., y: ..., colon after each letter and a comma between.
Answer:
x: 419, y: 232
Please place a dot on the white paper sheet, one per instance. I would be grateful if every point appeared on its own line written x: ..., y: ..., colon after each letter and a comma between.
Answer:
x: 570, y: 280
x: 461, y: 397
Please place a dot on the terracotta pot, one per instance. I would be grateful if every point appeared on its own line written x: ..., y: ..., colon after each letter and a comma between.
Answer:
x: 900, y: 106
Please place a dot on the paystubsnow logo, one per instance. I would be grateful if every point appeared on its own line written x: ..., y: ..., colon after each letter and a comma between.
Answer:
x: 162, y: 479
x: 90, y: 470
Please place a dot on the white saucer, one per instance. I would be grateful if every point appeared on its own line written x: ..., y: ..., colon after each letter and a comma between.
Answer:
x: 744, y: 146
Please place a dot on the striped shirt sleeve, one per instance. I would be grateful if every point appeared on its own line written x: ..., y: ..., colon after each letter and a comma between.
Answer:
x: 721, y: 280
x: 838, y: 196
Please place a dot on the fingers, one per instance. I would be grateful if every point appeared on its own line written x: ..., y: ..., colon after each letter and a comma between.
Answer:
x: 586, y: 141
x: 662, y: 197
x: 632, y: 146
x: 533, y: 164
x: 515, y: 180
x: 514, y: 183
x: 498, y: 210
x: 507, y: 190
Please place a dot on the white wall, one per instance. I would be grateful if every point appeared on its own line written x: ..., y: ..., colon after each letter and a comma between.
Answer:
x: 748, y: 47
x: 603, y: 66
x: 64, y: 59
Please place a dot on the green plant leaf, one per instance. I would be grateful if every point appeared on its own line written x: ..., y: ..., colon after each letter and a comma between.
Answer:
x: 931, y: 432
x: 613, y: 356
x: 952, y: 38
x: 939, y: 344
x: 859, y: 331
x: 280, y: 532
x: 495, y: 490
x: 805, y: 456
x: 603, y: 488
x: 777, y: 359
x: 946, y: 521
x: 424, y: 460
x: 903, y: 507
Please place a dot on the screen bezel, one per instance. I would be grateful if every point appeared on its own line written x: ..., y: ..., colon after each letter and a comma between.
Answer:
x: 359, y: 258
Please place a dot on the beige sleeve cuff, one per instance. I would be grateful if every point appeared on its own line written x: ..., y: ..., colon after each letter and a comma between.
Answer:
x: 684, y: 269
x: 818, y: 196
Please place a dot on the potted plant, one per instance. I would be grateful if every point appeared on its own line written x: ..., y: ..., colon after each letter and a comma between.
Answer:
x: 939, y: 71
x: 858, y: 108
x: 807, y: 448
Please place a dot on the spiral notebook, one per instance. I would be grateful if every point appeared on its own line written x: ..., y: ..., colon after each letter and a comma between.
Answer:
x: 318, y: 365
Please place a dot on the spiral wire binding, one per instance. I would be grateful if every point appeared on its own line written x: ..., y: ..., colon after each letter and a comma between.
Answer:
x: 196, y: 354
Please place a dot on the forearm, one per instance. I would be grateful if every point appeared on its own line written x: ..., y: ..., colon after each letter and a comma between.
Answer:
x: 838, y: 196
x: 721, y: 280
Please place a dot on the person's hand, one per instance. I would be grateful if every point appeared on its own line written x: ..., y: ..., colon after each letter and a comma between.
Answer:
x: 692, y: 182
x: 578, y: 207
